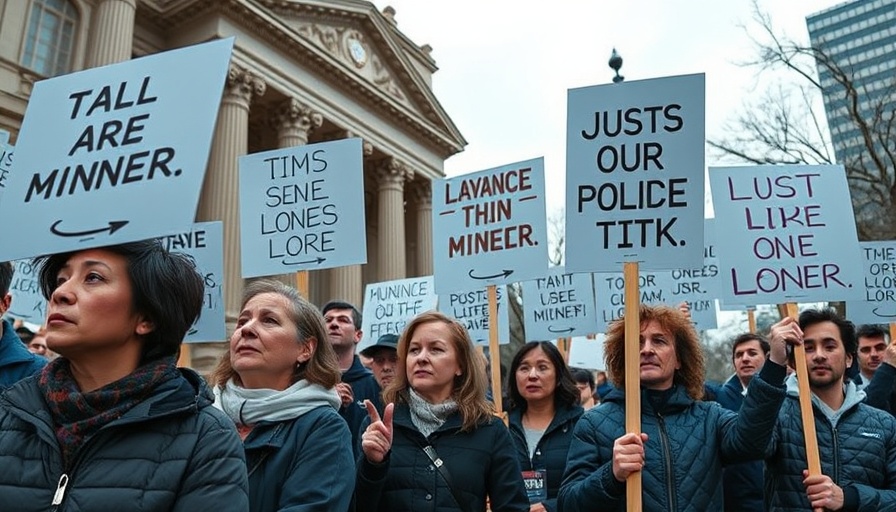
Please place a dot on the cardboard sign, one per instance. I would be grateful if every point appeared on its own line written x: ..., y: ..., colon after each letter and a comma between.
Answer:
x: 6, y: 156
x: 489, y: 227
x: 587, y: 353
x: 205, y: 243
x: 789, y: 234
x: 302, y: 208
x: 609, y: 293
x: 634, y: 174
x: 390, y: 305
x: 471, y: 309
x: 28, y: 303
x: 699, y: 286
x: 559, y: 304
x: 879, y: 304
x: 114, y: 154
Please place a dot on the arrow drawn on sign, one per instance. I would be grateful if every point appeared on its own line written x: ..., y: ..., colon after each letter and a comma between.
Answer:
x: 503, y: 274
x: 192, y: 332
x: 567, y: 330
x: 114, y: 225
x: 882, y: 315
x: 317, y: 260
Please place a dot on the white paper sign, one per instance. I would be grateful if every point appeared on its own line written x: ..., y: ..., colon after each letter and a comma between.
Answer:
x: 302, y: 208
x: 785, y: 233
x: 390, y: 305
x: 559, y: 304
x: 609, y: 293
x: 879, y: 304
x: 634, y: 174
x: 205, y: 243
x: 471, y: 309
x: 489, y: 227
x: 28, y: 303
x: 587, y: 353
x: 114, y: 154
x: 6, y: 156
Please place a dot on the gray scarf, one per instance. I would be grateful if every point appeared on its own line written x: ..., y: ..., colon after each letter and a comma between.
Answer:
x: 249, y: 406
x: 429, y: 417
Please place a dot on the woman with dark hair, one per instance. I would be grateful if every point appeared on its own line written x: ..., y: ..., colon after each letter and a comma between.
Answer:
x: 544, y: 409
x: 278, y: 385
x: 113, y: 424
x: 443, y: 449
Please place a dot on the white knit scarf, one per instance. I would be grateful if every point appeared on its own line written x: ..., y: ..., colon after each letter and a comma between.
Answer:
x: 250, y: 406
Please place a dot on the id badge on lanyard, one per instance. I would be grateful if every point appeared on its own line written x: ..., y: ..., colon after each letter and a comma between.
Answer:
x: 536, y: 485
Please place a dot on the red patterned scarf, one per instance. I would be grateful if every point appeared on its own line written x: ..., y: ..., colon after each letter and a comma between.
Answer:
x: 78, y: 415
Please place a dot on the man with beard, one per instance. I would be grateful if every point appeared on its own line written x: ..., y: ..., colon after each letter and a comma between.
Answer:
x: 856, y: 442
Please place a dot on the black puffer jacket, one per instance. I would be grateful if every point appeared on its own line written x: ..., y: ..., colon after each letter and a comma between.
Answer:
x: 688, y: 443
x: 173, y: 452
x: 480, y: 463
x: 857, y: 448
x: 552, y: 449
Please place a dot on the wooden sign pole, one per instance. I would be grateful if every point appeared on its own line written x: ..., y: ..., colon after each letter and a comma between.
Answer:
x: 494, y: 351
x: 632, y: 375
x: 802, y: 375
x: 302, y: 283
x: 751, y: 320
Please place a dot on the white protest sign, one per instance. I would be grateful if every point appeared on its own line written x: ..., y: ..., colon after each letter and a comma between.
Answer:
x: 700, y: 285
x: 587, y: 353
x: 28, y: 303
x: 879, y: 304
x: 489, y: 227
x: 205, y: 243
x: 559, y: 304
x: 390, y: 305
x: 6, y: 156
x: 634, y: 174
x: 4, y: 137
x: 302, y: 208
x: 114, y: 154
x: 471, y: 309
x: 609, y: 293
x: 786, y: 234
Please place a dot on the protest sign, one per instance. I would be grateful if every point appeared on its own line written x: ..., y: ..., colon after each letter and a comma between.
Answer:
x: 114, y: 154
x: 205, y: 244
x: 6, y: 156
x: 390, y: 305
x: 489, y: 227
x: 471, y: 309
x: 28, y: 303
x: 302, y: 208
x: 559, y: 304
x: 789, y: 234
x: 879, y: 304
x: 609, y: 293
x: 634, y: 174
x: 587, y: 353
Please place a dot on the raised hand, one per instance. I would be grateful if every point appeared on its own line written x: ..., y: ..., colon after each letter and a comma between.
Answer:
x: 628, y: 455
x: 785, y: 332
x: 376, y: 441
x: 346, y: 395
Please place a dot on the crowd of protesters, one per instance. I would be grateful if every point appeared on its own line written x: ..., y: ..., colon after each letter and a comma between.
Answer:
x: 291, y: 420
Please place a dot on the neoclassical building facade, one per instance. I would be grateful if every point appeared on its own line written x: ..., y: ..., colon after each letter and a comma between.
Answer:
x: 302, y: 71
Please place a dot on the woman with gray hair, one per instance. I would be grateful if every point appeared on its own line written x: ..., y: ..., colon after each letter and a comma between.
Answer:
x: 277, y: 383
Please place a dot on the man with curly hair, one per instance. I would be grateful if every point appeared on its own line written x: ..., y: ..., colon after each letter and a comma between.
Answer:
x: 684, y: 441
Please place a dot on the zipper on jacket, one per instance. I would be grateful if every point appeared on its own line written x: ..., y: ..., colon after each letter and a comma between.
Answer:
x: 836, y: 461
x: 60, y: 491
x: 667, y: 461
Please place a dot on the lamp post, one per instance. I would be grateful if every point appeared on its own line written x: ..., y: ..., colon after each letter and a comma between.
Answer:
x: 616, y: 63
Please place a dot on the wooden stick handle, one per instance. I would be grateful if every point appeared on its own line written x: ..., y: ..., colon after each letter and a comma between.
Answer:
x: 632, y: 375
x: 802, y: 375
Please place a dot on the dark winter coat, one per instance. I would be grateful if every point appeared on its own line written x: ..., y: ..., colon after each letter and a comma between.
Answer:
x: 688, y: 443
x: 16, y: 362
x: 480, y: 463
x: 551, y: 452
x: 881, y: 391
x: 173, y: 452
x: 364, y: 386
x: 742, y: 483
x: 301, y: 465
x: 857, y: 450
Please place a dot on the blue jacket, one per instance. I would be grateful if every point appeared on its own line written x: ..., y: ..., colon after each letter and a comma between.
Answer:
x: 856, y: 445
x: 881, y: 391
x: 742, y: 483
x: 173, y: 452
x: 364, y: 386
x: 301, y: 465
x: 688, y: 443
x: 480, y: 463
x: 552, y: 449
x: 16, y: 362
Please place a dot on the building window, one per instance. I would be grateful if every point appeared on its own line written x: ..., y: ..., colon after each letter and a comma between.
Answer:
x: 50, y: 39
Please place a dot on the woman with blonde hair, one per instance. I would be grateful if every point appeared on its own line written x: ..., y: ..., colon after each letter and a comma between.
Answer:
x: 277, y: 383
x: 438, y: 445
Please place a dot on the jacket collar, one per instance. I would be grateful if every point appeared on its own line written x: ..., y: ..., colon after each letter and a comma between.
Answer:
x: 12, y: 350
x: 678, y: 400
x: 562, y: 415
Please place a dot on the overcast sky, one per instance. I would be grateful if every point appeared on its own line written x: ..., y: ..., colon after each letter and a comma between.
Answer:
x: 505, y: 65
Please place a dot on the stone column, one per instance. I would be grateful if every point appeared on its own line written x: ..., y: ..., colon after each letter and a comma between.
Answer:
x: 421, y: 191
x: 294, y: 122
x: 391, y: 176
x: 112, y: 32
x: 220, y: 193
